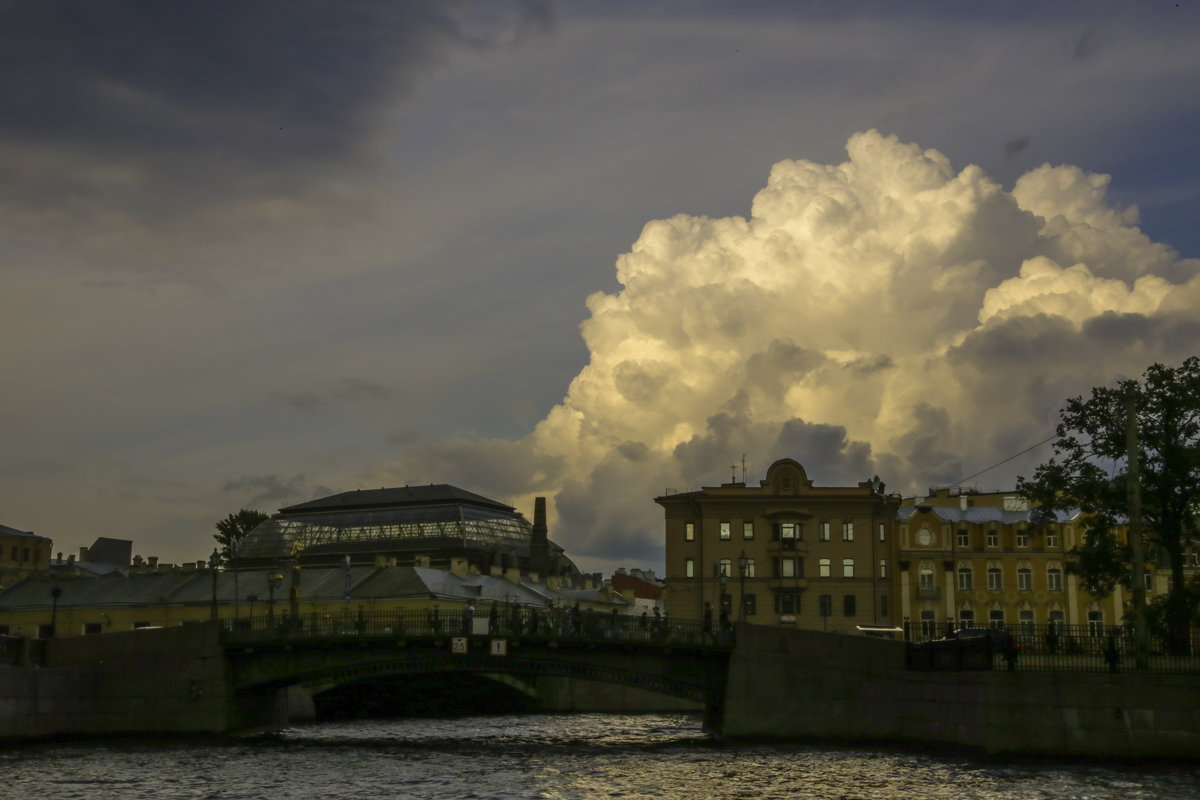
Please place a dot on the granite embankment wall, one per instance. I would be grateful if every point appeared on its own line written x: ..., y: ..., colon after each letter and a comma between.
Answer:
x: 168, y: 680
x: 811, y: 685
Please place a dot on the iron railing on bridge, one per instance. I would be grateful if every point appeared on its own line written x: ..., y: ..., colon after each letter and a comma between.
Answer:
x: 513, y: 622
x: 1063, y: 648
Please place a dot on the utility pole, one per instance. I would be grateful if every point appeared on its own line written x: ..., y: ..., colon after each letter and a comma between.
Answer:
x: 1135, y: 525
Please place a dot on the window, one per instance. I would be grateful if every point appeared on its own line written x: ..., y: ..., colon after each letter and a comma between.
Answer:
x: 823, y: 566
x: 1051, y: 538
x: 750, y: 605
x: 44, y: 631
x: 993, y: 538
x: 847, y: 531
x: 689, y: 568
x: 964, y: 578
x: 995, y: 579
x: 24, y: 553
x: 725, y: 567
x: 3, y: 628
x: 996, y: 618
x: 966, y: 618
x: 1024, y: 579
x: 848, y: 604
x: 964, y: 537
x: 925, y: 578
x: 928, y: 624
x: 91, y: 628
x: 789, y: 531
x: 785, y: 567
x: 883, y: 567
x: 1057, y: 620
x: 1025, y: 620
x: 787, y: 603
x: 747, y: 530
x: 826, y: 605
x: 883, y: 606
x: 823, y: 531
x: 1022, y: 538
x: 746, y: 564
x: 882, y: 532
x: 1147, y: 579
x: 726, y: 603
x: 1096, y: 623
x: 847, y: 567
x: 725, y: 530
x: 689, y: 531
x: 1054, y: 579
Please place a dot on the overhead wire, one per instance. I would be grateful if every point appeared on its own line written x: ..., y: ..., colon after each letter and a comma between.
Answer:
x: 1005, y: 461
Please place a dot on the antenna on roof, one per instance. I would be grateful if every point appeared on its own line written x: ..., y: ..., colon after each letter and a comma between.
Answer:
x: 743, y: 467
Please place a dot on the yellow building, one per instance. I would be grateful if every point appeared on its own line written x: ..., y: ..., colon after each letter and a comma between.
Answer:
x: 970, y: 559
x: 784, y: 552
x: 22, y: 553
x: 320, y: 598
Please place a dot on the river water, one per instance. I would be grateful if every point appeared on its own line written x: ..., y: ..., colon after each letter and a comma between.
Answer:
x: 549, y: 756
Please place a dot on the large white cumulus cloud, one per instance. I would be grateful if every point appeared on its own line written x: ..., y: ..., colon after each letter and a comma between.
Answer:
x: 886, y: 315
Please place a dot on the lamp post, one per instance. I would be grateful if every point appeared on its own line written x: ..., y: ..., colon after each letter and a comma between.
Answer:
x: 272, y: 581
x: 233, y: 553
x: 722, y: 577
x: 55, y: 593
x: 743, y: 566
x: 213, y: 562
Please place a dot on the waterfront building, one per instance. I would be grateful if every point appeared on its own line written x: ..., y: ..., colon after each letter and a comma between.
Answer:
x: 163, y: 596
x: 976, y: 559
x: 785, y: 552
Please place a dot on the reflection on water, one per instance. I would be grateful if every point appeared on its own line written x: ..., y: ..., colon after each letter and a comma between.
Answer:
x: 549, y: 756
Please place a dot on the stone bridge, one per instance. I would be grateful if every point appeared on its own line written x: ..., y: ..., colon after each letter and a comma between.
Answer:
x: 275, y: 665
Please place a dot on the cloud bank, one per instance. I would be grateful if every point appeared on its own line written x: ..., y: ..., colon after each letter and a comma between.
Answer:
x: 886, y: 315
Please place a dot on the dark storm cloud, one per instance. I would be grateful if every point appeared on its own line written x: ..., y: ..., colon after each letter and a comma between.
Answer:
x: 205, y: 91
x: 1014, y: 147
x: 271, y: 491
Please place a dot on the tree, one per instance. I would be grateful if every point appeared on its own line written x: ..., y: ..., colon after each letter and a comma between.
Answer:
x: 232, y: 529
x: 1090, y: 472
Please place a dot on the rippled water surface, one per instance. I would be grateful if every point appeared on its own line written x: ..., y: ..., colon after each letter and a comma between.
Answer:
x: 551, y: 756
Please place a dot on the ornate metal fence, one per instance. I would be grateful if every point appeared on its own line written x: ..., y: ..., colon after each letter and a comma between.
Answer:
x: 1069, y: 648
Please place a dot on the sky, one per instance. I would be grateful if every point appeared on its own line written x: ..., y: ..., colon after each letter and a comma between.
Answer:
x: 252, y: 254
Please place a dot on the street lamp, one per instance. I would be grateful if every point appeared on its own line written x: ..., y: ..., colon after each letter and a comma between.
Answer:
x: 213, y: 562
x: 272, y: 581
x: 722, y: 576
x: 55, y: 593
x: 743, y: 566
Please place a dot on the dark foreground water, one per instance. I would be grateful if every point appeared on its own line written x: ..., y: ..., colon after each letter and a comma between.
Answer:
x: 560, y: 756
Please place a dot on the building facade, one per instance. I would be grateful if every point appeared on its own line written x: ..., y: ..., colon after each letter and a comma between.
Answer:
x: 785, y: 552
x: 22, y: 553
x: 971, y: 559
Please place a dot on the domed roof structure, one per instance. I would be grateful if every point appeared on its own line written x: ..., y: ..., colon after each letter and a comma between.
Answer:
x: 415, y: 525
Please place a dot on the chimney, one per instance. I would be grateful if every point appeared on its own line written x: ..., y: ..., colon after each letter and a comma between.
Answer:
x: 512, y: 575
x: 539, y: 542
x: 152, y: 561
x: 458, y: 567
x: 963, y: 501
x: 83, y: 554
